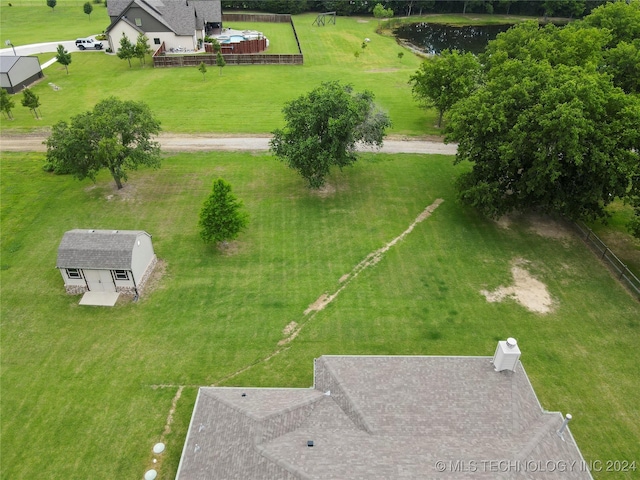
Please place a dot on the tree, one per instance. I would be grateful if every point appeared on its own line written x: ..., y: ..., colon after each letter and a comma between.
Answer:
x: 115, y: 135
x: 220, y: 61
x: 63, y: 57
x: 141, y: 48
x: 221, y: 217
x: 558, y: 139
x: 203, y: 70
x: 52, y: 4
x: 31, y: 101
x: 6, y: 103
x: 380, y: 12
x: 444, y: 79
x: 127, y: 49
x: 88, y: 8
x: 323, y: 128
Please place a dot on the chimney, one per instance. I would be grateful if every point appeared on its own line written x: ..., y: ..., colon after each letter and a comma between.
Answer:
x: 506, y: 356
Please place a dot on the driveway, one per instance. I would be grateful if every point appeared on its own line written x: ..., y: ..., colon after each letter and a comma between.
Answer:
x: 36, y: 48
x: 171, y: 142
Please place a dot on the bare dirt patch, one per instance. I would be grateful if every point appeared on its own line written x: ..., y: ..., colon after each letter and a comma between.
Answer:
x: 549, y: 228
x: 527, y: 290
x: 504, y: 222
x: 325, y: 191
x: 289, y: 328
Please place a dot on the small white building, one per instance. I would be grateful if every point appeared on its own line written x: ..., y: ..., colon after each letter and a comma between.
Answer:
x: 105, y: 261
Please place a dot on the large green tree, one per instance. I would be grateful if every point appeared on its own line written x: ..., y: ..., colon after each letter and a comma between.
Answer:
x: 115, y: 135
x: 63, y: 57
x: 127, y: 49
x: 6, y: 103
x: 557, y: 139
x: 221, y: 216
x: 444, y: 79
x: 52, y: 4
x: 323, y: 128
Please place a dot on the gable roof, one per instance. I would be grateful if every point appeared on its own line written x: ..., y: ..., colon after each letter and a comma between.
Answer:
x: 181, y: 16
x: 97, y: 249
x: 379, y: 417
x: 7, y: 62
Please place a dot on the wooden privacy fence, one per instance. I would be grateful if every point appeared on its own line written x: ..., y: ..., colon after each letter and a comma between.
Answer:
x: 619, y: 269
x: 195, y: 60
x: 256, y: 17
x: 242, y: 53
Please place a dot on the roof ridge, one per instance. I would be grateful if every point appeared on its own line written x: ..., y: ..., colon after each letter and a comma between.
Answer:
x: 540, y: 431
x: 348, y: 405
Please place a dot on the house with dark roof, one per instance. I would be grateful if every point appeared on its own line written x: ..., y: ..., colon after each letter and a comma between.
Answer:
x: 179, y: 24
x: 111, y: 261
x: 383, y: 417
x: 17, y: 73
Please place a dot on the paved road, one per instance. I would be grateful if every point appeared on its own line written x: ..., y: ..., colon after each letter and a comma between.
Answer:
x: 201, y: 143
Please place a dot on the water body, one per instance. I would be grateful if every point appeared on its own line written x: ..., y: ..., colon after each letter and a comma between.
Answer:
x: 433, y: 38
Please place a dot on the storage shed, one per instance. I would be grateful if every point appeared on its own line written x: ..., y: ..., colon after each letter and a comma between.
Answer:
x: 105, y: 261
x: 17, y: 73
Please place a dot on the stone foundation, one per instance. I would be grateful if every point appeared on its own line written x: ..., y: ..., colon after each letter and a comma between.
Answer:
x: 76, y: 289
x: 147, y: 274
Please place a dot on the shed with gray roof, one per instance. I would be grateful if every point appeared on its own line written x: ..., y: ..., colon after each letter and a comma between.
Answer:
x: 382, y: 417
x: 105, y: 260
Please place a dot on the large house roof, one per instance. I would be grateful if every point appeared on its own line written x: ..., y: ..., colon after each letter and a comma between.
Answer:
x: 380, y: 417
x: 97, y: 249
x: 180, y: 16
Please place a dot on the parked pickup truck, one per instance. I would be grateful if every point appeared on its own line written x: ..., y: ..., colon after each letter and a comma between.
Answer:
x: 85, y: 43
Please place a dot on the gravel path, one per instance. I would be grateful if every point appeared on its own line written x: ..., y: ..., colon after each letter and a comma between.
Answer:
x: 202, y: 143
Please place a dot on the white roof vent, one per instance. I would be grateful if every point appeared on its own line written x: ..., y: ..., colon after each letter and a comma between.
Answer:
x: 507, y: 355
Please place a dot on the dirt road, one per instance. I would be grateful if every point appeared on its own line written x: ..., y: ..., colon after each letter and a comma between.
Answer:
x: 201, y: 143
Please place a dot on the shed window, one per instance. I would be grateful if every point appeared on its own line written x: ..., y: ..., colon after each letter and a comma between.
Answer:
x: 121, y: 274
x: 74, y: 273
x: 138, y: 22
x: 156, y: 41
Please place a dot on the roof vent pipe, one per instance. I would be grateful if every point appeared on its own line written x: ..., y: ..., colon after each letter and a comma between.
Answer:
x: 567, y: 418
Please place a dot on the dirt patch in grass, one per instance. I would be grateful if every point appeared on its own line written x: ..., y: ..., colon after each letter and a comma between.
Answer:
x: 229, y: 248
x: 527, y: 290
x: 325, y: 191
x: 549, y: 228
x: 290, y: 332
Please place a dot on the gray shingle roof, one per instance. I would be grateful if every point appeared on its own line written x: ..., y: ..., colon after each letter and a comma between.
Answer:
x: 99, y: 249
x: 181, y: 16
x: 385, y: 417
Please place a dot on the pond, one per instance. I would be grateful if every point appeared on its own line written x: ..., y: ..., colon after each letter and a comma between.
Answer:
x: 433, y: 38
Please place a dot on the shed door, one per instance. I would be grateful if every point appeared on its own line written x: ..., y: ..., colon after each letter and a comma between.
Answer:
x: 99, y: 280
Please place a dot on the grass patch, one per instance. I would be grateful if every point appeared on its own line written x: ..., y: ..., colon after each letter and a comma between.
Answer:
x: 92, y: 387
x: 25, y: 22
x: 184, y: 103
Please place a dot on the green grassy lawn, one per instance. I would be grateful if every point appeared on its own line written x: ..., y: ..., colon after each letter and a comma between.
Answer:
x: 92, y: 387
x: 86, y: 392
x: 33, y: 22
x: 184, y: 103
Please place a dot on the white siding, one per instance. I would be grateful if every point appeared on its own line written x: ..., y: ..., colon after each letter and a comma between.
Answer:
x: 141, y: 256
